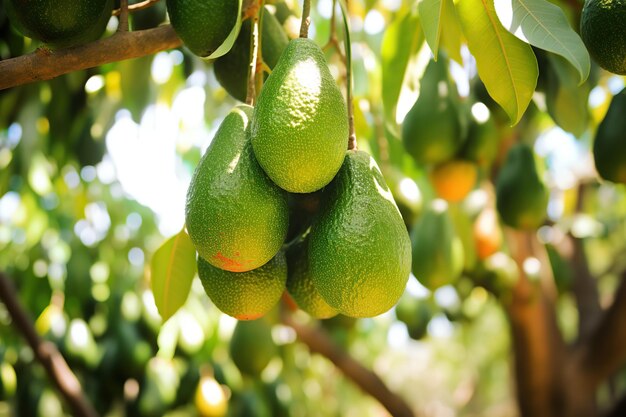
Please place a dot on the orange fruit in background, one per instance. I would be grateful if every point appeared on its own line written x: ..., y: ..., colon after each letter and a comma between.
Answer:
x: 454, y: 179
x: 487, y: 233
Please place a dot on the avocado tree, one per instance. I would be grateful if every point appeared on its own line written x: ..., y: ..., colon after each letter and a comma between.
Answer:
x: 338, y: 207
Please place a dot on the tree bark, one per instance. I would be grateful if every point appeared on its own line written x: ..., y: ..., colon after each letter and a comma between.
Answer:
x: 45, y: 64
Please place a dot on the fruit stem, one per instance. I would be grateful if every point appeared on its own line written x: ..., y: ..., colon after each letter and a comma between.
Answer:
x: 352, y: 144
x: 259, y: 54
x: 254, y: 51
x: 123, y: 18
x: 136, y: 7
x: 306, y: 19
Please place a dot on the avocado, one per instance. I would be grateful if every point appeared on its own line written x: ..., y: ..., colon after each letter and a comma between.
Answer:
x: 359, y: 248
x: 251, y: 346
x: 432, y: 131
x: 521, y: 195
x: 236, y: 217
x: 603, y: 30
x: 202, y: 25
x: 437, y: 249
x: 245, y: 295
x: 231, y: 70
x: 60, y: 23
x: 300, y: 123
x: 300, y: 283
x: 609, y: 147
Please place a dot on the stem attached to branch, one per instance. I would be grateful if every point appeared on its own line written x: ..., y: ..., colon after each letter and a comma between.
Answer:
x: 306, y: 19
x: 352, y: 144
x: 254, y: 53
x: 45, y: 65
x: 318, y: 341
x: 46, y: 353
x: 123, y: 26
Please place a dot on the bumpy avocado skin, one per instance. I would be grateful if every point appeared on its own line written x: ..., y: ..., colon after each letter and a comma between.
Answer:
x: 236, y: 217
x: 245, y: 295
x: 359, y: 248
x: 300, y: 123
x: 603, y: 30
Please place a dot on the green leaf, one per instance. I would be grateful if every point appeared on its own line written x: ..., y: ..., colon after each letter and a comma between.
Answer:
x: 451, y: 37
x: 544, y: 25
x: 230, y: 39
x: 172, y: 270
x: 506, y: 65
x: 435, y: 15
x: 401, y: 39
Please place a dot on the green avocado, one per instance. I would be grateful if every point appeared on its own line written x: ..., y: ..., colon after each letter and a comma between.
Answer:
x: 359, y: 248
x: 252, y: 347
x: 300, y: 123
x: 202, y: 25
x: 432, y: 131
x: 603, y: 29
x: 231, y: 70
x: 609, y: 147
x: 437, y: 249
x: 415, y: 313
x: 521, y: 195
x: 235, y: 216
x: 245, y: 295
x: 60, y: 23
x: 300, y: 284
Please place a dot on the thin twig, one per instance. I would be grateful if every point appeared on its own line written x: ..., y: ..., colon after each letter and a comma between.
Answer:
x: 136, y: 7
x: 318, y: 341
x: 123, y: 26
x: 45, y: 65
x: 46, y: 353
x: 254, y: 51
x: 306, y: 19
x: 260, y: 65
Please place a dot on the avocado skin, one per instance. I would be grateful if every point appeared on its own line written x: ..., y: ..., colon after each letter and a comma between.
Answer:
x: 245, y: 295
x: 300, y: 284
x: 521, y: 196
x: 300, y: 123
x: 60, y: 23
x: 603, y: 30
x: 231, y: 70
x: 609, y: 147
x: 359, y: 248
x: 202, y: 25
x: 236, y: 217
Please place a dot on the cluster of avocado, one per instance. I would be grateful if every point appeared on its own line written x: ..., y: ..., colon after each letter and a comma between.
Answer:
x: 349, y: 253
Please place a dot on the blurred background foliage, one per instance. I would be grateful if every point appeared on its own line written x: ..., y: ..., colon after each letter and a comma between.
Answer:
x: 94, y: 167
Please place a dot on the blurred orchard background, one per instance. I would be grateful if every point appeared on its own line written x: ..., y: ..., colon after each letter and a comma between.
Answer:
x: 94, y: 168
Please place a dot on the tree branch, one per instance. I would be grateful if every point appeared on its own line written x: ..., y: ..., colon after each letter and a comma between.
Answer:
x: 45, y: 64
x: 46, y: 353
x: 318, y: 341
x: 539, y: 348
x: 605, y: 351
